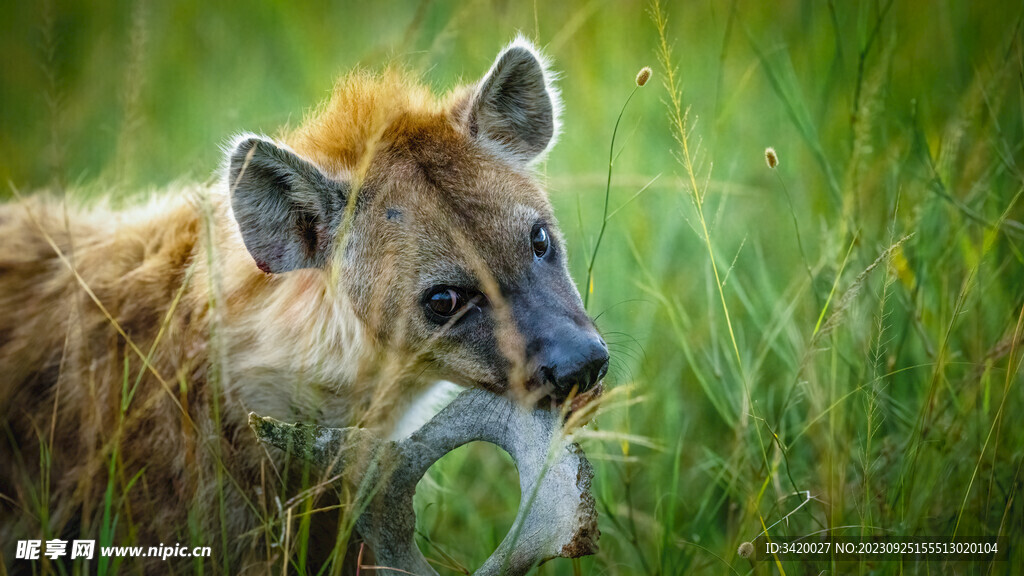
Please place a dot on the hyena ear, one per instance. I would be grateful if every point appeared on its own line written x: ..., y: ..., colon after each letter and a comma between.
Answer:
x: 516, y: 106
x: 287, y: 209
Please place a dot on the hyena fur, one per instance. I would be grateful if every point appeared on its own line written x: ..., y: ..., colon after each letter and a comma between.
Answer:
x: 393, y: 240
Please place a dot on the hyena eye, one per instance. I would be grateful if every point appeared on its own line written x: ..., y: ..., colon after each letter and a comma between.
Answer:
x: 445, y: 301
x: 541, y: 241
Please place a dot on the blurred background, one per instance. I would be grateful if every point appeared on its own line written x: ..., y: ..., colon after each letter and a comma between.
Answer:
x: 849, y: 363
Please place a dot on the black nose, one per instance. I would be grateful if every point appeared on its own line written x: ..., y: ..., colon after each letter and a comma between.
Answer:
x: 579, y: 366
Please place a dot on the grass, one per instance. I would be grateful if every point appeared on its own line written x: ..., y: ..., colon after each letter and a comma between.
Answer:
x: 844, y: 355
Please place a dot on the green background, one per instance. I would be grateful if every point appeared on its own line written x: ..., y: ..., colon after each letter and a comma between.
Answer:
x: 884, y: 383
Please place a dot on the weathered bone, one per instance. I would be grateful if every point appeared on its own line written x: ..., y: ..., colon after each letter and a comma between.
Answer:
x: 556, y: 516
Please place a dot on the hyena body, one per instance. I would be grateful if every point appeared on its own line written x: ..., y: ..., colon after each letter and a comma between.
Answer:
x: 394, y: 240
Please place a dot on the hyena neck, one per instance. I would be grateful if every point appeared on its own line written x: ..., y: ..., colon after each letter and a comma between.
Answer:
x: 288, y: 345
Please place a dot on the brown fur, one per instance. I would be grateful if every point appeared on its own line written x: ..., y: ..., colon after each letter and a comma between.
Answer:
x: 339, y: 346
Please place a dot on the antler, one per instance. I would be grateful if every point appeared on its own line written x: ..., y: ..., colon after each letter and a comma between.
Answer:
x: 556, y: 515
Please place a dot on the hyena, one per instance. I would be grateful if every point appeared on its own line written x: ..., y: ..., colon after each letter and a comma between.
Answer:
x: 394, y: 239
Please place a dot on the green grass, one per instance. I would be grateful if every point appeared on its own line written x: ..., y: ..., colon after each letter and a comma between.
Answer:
x: 874, y: 365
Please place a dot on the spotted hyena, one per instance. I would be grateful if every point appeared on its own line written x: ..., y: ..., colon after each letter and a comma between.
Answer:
x: 393, y: 240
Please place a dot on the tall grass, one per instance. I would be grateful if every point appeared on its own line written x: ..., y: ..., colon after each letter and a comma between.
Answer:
x: 844, y: 358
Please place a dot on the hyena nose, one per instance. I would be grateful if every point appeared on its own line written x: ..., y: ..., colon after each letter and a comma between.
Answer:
x: 581, y: 366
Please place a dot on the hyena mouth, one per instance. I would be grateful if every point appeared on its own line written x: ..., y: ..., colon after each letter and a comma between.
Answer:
x: 565, y: 353
x: 571, y: 363
x: 578, y: 371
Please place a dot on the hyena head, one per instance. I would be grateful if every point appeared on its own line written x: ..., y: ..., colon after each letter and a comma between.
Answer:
x: 430, y: 218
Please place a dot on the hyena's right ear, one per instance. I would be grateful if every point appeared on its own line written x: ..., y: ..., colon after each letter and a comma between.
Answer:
x: 287, y: 209
x: 516, y: 106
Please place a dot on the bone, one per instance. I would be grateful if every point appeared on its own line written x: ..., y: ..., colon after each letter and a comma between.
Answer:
x: 556, y: 516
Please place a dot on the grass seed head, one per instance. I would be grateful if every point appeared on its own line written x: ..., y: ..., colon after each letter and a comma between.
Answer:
x: 643, y: 76
x: 746, y: 549
x: 771, y: 157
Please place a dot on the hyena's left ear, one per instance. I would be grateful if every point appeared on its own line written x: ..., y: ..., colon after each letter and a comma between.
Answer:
x: 287, y: 209
x: 516, y: 105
